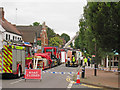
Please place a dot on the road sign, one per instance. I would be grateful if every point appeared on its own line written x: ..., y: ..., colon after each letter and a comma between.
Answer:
x: 33, y: 74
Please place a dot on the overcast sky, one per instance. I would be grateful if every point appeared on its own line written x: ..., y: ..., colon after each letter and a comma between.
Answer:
x: 61, y: 15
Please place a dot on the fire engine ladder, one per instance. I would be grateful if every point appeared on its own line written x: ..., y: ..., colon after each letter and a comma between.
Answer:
x: 70, y: 41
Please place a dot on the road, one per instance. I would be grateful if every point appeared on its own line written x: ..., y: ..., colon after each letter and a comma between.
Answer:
x: 49, y: 80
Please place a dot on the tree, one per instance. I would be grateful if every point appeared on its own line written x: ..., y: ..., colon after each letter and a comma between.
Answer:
x: 65, y: 36
x: 36, y: 24
x: 56, y: 41
x: 50, y: 34
x: 101, y: 29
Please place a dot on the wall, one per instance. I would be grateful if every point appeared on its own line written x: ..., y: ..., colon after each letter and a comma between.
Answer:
x: 0, y: 40
x: 11, y: 36
x: 1, y: 36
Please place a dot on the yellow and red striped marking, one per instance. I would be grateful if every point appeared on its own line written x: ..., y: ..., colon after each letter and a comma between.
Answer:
x: 7, y: 59
x: 0, y: 62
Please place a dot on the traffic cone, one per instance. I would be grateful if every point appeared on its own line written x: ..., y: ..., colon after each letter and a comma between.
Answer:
x: 78, y: 78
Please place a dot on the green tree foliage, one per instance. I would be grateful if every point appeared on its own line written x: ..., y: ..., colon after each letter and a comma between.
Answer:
x: 65, y: 36
x: 36, y: 24
x: 50, y: 34
x: 56, y: 41
x: 100, y: 29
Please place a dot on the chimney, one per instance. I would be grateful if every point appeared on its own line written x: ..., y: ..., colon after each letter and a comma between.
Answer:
x: 1, y: 13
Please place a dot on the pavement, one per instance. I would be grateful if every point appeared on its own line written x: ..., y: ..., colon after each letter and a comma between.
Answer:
x: 106, y: 79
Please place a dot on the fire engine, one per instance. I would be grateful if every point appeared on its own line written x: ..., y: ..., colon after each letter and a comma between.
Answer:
x: 15, y: 58
x: 77, y: 54
x: 63, y: 55
x: 42, y: 60
x: 55, y: 55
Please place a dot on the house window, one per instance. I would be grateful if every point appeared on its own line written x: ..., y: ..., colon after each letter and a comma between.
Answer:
x: 13, y: 37
x: 39, y: 42
x: 6, y: 36
x: 9, y: 37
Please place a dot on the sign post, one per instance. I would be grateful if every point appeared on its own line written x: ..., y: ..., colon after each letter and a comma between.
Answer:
x: 33, y: 74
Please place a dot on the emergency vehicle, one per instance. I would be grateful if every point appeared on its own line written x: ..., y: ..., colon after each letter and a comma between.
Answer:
x: 55, y: 55
x: 76, y: 54
x: 42, y: 60
x: 63, y: 55
x: 15, y: 58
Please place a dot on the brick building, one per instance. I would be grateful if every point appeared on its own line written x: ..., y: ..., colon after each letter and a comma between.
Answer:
x: 36, y: 35
x: 43, y: 36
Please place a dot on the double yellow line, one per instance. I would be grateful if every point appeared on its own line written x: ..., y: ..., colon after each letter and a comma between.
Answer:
x: 68, y: 79
x: 90, y: 86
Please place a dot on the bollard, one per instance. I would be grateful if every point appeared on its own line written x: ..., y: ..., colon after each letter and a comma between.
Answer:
x: 95, y: 70
x: 83, y: 71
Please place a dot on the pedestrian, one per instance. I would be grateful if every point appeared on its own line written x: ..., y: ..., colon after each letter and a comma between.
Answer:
x: 81, y: 60
x: 88, y: 61
x: 68, y: 61
x: 73, y: 60
x: 85, y: 61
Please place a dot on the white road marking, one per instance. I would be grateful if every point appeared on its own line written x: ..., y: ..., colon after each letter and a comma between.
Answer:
x: 70, y: 84
x: 16, y: 81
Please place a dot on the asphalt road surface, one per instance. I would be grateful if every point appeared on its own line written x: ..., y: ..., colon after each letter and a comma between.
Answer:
x: 49, y: 80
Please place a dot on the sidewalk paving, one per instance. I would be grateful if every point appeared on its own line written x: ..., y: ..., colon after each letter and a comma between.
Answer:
x: 103, y: 78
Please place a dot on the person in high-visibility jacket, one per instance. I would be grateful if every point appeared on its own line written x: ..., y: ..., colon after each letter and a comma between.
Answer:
x: 85, y: 60
x: 73, y: 60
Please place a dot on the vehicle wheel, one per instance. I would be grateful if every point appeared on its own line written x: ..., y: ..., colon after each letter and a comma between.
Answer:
x: 19, y: 73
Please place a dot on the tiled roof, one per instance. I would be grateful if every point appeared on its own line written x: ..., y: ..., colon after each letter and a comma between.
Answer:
x: 9, y: 27
x: 29, y: 32
x: 6, y: 25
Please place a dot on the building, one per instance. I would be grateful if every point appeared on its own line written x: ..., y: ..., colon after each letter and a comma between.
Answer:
x: 10, y: 33
x: 36, y: 35
x: 114, y: 61
x: 29, y: 33
x: 2, y: 30
x: 43, y: 36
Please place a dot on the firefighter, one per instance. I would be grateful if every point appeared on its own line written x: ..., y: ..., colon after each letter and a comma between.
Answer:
x: 85, y: 61
x: 73, y: 59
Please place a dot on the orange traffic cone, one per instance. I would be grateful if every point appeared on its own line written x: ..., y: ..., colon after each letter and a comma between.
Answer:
x: 78, y: 78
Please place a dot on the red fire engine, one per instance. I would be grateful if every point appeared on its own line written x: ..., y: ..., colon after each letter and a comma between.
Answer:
x: 55, y: 55
x: 15, y: 58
